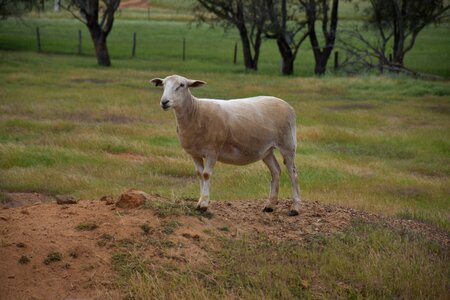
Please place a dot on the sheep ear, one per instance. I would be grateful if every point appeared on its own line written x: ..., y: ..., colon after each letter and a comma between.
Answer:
x: 157, y: 81
x: 195, y: 83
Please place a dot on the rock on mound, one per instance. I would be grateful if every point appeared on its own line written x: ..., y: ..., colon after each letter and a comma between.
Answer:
x: 132, y: 199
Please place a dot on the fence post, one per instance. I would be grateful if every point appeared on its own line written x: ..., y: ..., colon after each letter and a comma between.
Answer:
x: 148, y: 13
x: 38, y: 39
x: 79, y: 42
x: 133, y: 51
x: 336, y: 60
x: 184, y: 49
x: 235, y: 53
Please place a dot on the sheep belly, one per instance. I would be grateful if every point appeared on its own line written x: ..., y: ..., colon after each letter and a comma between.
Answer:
x: 232, y: 154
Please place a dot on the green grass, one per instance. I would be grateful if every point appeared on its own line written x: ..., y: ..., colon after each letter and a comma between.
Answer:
x: 365, y: 261
x: 374, y: 143
x: 159, y: 43
x: 169, y: 227
x: 53, y: 257
x: 380, y: 144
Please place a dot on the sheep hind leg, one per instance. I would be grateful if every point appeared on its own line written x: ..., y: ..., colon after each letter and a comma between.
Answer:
x: 275, y: 170
x: 289, y: 161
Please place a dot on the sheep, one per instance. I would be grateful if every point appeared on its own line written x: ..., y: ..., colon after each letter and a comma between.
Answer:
x: 237, y: 131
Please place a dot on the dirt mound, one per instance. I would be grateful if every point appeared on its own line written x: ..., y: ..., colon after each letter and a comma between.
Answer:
x: 51, y: 251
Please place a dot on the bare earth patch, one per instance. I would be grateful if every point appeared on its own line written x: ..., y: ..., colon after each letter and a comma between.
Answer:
x: 134, y: 3
x: 67, y: 251
x: 351, y: 106
x: 25, y: 199
x: 92, y: 80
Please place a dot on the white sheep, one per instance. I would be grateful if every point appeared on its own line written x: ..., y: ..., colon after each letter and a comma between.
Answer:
x: 238, y: 132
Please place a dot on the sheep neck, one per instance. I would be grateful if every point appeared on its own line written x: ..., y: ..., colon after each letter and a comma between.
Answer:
x: 187, y: 111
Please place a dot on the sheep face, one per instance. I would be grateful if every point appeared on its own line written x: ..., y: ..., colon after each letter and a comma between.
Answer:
x: 176, y: 90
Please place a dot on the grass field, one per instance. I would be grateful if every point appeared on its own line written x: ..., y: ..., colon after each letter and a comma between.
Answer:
x: 208, y: 49
x: 380, y: 144
x: 375, y: 143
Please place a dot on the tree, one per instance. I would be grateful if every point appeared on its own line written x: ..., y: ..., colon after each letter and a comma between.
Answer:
x: 15, y: 8
x: 392, y: 22
x: 99, y: 27
x: 403, y: 20
x: 284, y: 26
x: 56, y: 5
x: 320, y: 10
x: 249, y: 18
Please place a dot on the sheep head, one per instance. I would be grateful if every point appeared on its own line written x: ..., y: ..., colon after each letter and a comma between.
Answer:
x: 176, y: 90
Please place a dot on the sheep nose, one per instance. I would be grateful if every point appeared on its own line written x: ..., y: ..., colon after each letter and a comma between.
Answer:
x: 164, y: 104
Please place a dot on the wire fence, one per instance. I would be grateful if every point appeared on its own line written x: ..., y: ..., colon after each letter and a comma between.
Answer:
x: 174, y: 41
x: 150, y: 40
x: 123, y: 42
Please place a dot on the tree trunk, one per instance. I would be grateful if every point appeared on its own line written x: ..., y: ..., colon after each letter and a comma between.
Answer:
x: 101, y: 49
x: 398, y: 49
x: 249, y: 62
x: 399, y: 34
x: 321, y: 55
x: 320, y: 66
x: 287, y: 63
x: 57, y: 5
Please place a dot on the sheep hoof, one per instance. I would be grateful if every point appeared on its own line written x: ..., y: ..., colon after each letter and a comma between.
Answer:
x: 202, y: 208
x: 267, y: 209
x: 292, y: 213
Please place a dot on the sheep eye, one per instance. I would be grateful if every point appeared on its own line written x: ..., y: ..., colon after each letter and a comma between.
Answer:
x: 181, y: 84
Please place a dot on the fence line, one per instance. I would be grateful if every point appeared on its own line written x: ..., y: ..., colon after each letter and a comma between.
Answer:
x: 55, y: 40
x: 80, y: 40
x: 38, y: 39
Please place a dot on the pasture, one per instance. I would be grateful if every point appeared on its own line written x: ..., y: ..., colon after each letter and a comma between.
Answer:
x: 375, y: 143
x: 378, y: 144
x: 208, y: 49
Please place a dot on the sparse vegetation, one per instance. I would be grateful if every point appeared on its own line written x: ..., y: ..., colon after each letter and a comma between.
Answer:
x: 128, y: 243
x: 73, y: 254
x: 146, y: 228
x: 86, y: 227
x: 53, y: 257
x: 4, y: 198
x: 175, y: 208
x: 24, y: 260
x: 169, y: 227
x: 384, y: 264
x: 127, y: 265
x: 104, y: 239
x: 161, y: 244
x: 224, y: 228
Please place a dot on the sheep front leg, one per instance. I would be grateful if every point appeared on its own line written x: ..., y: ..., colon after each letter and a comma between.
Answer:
x: 198, y: 162
x: 203, y: 202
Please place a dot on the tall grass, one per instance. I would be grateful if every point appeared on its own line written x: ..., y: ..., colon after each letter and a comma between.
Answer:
x: 366, y: 261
